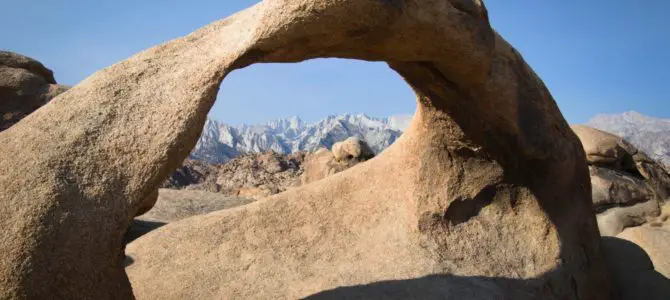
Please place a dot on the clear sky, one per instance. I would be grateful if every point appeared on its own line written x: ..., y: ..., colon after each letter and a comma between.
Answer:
x: 596, y: 56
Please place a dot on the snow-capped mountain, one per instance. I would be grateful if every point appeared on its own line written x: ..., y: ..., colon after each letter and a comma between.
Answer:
x: 651, y: 135
x: 221, y: 142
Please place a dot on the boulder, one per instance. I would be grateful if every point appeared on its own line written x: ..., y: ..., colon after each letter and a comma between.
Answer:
x: 486, y: 195
x: 614, y: 220
x: 655, y: 241
x: 603, y: 148
x: 18, y: 61
x: 351, y: 149
x: 321, y: 164
x: 616, y: 188
x: 25, y: 85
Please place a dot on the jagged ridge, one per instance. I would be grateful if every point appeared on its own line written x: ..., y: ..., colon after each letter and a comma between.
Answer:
x: 221, y: 142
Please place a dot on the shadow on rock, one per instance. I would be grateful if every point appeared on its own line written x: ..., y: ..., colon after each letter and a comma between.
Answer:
x: 632, y: 272
x: 139, y: 228
x: 633, y: 277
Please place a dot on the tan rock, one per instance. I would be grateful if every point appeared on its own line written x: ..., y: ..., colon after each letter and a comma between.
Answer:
x: 25, y: 85
x: 352, y: 148
x: 602, y: 148
x: 614, y: 188
x: 486, y: 195
x: 663, y: 220
x: 174, y: 205
x: 614, y: 220
x: 655, y: 241
x: 321, y: 164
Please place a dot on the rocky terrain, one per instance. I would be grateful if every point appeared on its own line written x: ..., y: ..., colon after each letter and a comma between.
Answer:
x: 221, y: 142
x: 651, y: 135
x: 485, y: 196
x: 258, y: 175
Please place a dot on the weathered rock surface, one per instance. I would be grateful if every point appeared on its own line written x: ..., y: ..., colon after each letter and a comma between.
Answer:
x: 614, y: 220
x: 654, y: 241
x: 25, y: 85
x: 617, y: 188
x: 488, y: 187
x: 174, y: 205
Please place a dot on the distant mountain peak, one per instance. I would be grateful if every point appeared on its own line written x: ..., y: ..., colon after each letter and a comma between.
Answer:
x: 220, y: 142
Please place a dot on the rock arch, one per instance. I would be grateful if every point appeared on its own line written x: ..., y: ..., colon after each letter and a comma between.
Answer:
x: 488, y: 159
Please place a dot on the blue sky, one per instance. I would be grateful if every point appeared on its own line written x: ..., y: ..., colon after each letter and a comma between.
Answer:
x: 595, y: 56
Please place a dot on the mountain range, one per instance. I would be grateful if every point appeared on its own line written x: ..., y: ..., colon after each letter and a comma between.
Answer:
x: 221, y: 142
x: 649, y: 134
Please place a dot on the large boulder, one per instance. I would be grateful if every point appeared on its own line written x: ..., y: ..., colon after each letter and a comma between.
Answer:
x: 603, y: 148
x: 486, y: 195
x: 25, y: 85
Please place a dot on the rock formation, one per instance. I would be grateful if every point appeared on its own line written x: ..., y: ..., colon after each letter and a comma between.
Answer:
x: 352, y: 149
x: 25, y: 85
x: 488, y: 188
x: 191, y: 173
x: 345, y: 154
x: 627, y: 186
x: 255, y: 175
x: 259, y: 175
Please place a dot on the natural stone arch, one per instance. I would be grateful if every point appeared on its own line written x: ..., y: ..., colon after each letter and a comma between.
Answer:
x: 487, y: 158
